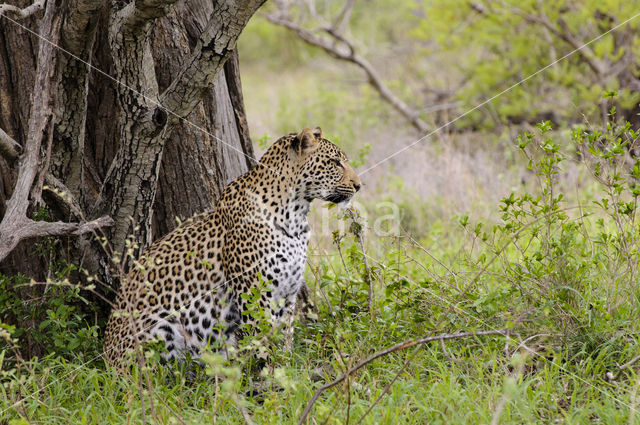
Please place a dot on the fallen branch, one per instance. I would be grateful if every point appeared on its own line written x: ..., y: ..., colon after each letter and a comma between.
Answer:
x: 393, y: 381
x: 629, y: 363
x: 18, y: 13
x: 392, y: 349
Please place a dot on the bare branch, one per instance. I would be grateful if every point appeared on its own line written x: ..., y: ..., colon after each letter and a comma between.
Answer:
x: 14, y: 220
x: 41, y: 114
x: 478, y: 7
x: 563, y: 33
x: 9, y: 148
x: 389, y: 350
x: 341, y: 22
x: 18, y: 13
x: 340, y: 48
x: 442, y: 107
x: 59, y: 228
x: 387, y: 387
x: 580, y: 45
x: 25, y: 228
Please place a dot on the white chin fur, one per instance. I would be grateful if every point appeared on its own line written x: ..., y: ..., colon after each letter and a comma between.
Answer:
x: 345, y: 204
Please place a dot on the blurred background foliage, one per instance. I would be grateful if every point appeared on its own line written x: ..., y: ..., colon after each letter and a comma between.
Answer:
x: 444, y: 58
x: 456, y: 50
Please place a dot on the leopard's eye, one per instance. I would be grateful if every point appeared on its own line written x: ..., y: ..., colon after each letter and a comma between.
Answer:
x: 337, y: 162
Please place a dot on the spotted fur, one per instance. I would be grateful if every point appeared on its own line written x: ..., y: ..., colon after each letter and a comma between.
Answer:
x: 186, y: 288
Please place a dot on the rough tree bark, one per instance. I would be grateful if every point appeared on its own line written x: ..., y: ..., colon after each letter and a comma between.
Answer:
x: 147, y: 116
x: 16, y: 225
x: 143, y: 117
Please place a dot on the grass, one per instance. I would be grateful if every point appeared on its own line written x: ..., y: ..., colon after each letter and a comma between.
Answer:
x: 561, y: 280
x: 564, y: 283
x: 470, y: 383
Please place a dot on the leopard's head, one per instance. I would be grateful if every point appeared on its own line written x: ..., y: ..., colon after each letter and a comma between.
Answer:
x: 323, y: 170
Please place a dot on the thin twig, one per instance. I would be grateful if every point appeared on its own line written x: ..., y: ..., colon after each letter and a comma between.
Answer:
x: 342, y: 257
x: 344, y: 17
x: 447, y: 354
x: 367, y: 269
x: 319, y: 287
x: 426, y: 251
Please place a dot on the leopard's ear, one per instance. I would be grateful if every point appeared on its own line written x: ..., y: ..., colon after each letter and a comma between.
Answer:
x: 306, y: 141
x: 317, y: 132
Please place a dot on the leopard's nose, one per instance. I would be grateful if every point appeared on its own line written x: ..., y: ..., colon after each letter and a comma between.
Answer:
x: 357, y: 186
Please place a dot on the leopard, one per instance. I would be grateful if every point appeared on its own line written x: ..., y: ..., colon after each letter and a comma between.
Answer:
x: 191, y: 289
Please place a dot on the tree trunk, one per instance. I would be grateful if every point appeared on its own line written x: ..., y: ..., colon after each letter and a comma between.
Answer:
x: 117, y: 149
x: 212, y: 146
